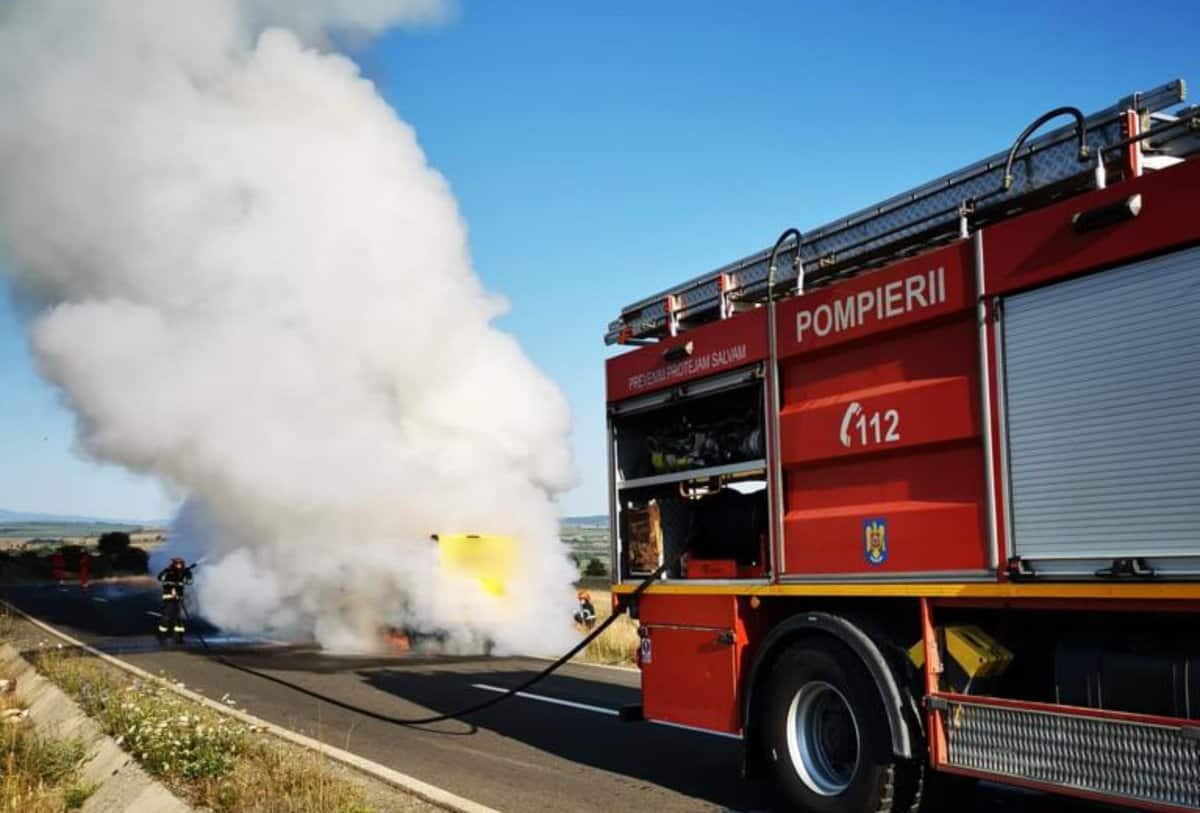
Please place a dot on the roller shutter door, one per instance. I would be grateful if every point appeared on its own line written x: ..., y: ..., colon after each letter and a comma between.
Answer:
x: 1103, y: 419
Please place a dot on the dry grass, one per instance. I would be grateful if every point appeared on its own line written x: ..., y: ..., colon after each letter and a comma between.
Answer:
x: 206, y: 757
x: 171, y: 737
x: 272, y: 779
x: 616, y: 645
x: 38, y: 774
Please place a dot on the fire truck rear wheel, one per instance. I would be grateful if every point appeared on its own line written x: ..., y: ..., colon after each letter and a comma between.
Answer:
x: 826, y: 734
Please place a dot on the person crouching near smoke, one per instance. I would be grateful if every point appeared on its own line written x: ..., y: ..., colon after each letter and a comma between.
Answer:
x: 586, y: 614
x: 174, y: 578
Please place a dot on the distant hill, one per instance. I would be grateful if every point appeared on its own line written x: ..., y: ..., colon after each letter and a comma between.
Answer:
x: 28, y: 518
x: 589, y: 521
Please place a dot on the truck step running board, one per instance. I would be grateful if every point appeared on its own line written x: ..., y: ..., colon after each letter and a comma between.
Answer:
x: 1044, y: 167
x: 1122, y: 758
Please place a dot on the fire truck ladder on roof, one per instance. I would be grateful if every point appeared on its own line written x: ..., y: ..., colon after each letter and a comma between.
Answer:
x: 1064, y: 161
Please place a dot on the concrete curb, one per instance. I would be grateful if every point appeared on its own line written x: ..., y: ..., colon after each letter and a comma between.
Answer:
x: 121, y: 783
x: 422, y: 790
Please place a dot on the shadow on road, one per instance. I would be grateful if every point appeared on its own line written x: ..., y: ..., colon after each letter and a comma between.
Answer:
x: 703, y: 766
x: 700, y: 766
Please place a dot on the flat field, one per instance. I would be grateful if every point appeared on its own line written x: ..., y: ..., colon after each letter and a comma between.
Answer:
x: 586, y: 542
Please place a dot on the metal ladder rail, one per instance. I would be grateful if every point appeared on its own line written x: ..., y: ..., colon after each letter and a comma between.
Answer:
x: 1044, y: 162
x: 697, y: 293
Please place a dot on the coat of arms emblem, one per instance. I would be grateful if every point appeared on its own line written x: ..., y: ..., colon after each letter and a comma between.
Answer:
x: 875, y: 542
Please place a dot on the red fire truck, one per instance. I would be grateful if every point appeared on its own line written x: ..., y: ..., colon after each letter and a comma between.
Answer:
x: 918, y: 491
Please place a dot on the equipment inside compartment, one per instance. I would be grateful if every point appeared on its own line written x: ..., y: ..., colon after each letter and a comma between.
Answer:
x: 728, y: 525
x: 685, y: 443
x: 689, y: 434
x: 724, y: 535
x: 691, y: 477
x: 643, y: 539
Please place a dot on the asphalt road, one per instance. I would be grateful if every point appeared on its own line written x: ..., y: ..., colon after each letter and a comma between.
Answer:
x: 561, y: 749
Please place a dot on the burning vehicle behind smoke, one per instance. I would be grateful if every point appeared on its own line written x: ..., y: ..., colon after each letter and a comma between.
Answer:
x: 487, y: 558
x: 484, y: 558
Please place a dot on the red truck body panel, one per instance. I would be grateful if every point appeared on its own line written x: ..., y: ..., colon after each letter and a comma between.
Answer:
x: 1042, y: 246
x: 880, y: 426
x: 884, y: 438
x: 716, y: 348
x: 705, y: 636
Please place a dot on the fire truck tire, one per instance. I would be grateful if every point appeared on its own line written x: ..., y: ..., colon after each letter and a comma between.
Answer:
x: 826, y: 736
x: 944, y: 792
x: 912, y: 778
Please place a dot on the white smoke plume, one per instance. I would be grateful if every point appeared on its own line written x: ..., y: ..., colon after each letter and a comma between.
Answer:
x: 255, y: 288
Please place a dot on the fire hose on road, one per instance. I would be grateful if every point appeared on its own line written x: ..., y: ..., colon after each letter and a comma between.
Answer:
x: 624, y: 602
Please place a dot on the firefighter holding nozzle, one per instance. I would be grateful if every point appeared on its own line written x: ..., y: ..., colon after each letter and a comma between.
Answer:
x: 174, y: 577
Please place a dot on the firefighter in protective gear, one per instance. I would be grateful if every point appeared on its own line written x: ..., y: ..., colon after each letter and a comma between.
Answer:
x: 586, y: 614
x: 174, y: 578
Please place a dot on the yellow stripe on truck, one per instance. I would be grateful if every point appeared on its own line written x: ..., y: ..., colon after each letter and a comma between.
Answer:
x: 1150, y: 591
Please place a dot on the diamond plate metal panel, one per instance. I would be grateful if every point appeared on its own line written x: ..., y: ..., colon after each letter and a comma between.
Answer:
x: 1125, y: 760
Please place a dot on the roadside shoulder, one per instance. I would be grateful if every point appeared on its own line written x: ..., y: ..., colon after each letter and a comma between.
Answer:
x: 424, y: 791
x: 120, y: 783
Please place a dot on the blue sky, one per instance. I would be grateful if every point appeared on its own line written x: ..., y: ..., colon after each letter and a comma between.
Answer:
x: 600, y: 152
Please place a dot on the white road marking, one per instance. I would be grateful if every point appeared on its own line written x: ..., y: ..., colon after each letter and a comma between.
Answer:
x: 586, y: 664
x: 97, y: 598
x: 151, y: 612
x: 600, y: 710
x: 554, y: 700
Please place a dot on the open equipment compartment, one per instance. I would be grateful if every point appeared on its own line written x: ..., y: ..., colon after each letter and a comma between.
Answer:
x: 689, y: 472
